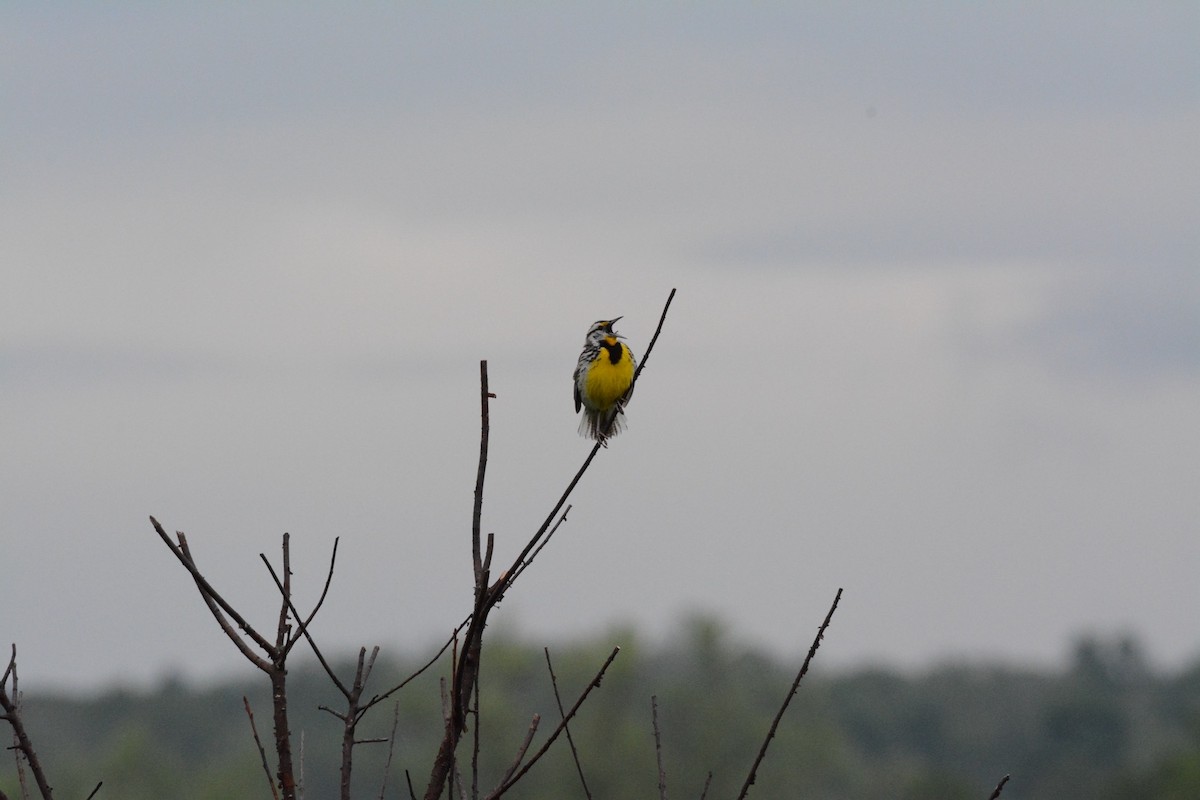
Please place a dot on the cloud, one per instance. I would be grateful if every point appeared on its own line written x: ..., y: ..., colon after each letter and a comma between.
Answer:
x: 935, y: 335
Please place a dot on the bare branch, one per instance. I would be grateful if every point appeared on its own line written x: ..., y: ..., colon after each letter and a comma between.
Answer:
x: 12, y: 715
x: 562, y: 713
x: 262, y: 754
x: 387, y: 765
x: 477, y: 514
x: 646, y: 355
x: 212, y: 596
x: 707, y: 781
x: 544, y: 542
x: 812, y: 651
x: 533, y: 726
x: 443, y: 762
x: 93, y: 794
x: 510, y: 782
x: 662, y: 773
x: 303, y: 626
x: 507, y: 577
x: 636, y: 373
x: 274, y: 665
x: 10, y: 669
x: 283, y: 631
x: 320, y: 600
x: 453, y: 638
x: 999, y: 788
x: 354, y: 714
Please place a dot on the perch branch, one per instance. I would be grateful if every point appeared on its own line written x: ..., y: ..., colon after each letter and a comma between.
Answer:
x: 636, y: 373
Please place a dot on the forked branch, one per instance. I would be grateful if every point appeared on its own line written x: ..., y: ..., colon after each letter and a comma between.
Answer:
x: 273, y: 661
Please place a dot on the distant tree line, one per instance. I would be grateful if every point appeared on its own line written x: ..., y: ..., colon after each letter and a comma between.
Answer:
x: 1107, y: 727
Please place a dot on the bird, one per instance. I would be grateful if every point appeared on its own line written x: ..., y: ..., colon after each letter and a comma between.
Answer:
x: 603, y: 380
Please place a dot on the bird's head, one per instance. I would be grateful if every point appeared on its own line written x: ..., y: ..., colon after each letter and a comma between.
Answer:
x: 602, y: 330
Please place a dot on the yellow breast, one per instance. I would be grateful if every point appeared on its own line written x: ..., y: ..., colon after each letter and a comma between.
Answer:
x: 606, y: 382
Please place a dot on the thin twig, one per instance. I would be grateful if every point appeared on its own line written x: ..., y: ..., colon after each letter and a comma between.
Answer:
x: 567, y: 731
x: 507, y: 577
x: 999, y: 788
x: 508, y: 784
x: 320, y: 600
x: 477, y: 513
x: 303, y: 626
x: 707, y: 781
x: 620, y: 405
x: 412, y: 794
x: 93, y: 794
x: 217, y: 605
x: 387, y: 765
x: 262, y: 754
x: 453, y: 638
x: 533, y: 726
x: 653, y: 339
x: 12, y: 666
x: 662, y: 773
x: 181, y: 552
x: 812, y: 651
x: 544, y: 542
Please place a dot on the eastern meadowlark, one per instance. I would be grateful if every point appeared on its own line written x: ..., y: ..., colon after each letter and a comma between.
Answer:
x: 602, y: 377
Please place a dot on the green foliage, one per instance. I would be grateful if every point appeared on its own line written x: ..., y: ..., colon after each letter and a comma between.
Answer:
x: 1106, y: 728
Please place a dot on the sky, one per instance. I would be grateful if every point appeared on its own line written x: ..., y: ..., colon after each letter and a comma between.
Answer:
x: 936, y: 337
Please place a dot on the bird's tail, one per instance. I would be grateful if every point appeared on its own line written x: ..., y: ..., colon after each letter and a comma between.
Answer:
x: 602, y: 425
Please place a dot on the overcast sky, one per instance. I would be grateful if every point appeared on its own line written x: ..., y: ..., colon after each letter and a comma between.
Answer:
x: 936, y: 338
